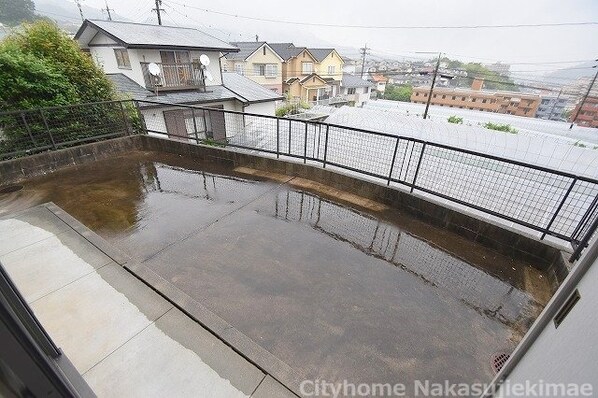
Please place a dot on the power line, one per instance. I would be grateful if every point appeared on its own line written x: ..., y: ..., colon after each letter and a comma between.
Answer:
x: 326, y: 25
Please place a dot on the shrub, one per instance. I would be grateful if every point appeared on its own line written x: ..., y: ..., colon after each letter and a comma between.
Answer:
x: 507, y: 128
x: 455, y: 119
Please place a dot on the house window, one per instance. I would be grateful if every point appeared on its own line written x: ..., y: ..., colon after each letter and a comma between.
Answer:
x: 239, y: 69
x: 454, y: 97
x: 271, y: 70
x: 331, y: 69
x: 259, y: 69
x: 122, y: 58
x: 351, y: 90
x: 307, y: 68
x: 175, y: 57
x: 264, y: 50
x: 484, y: 101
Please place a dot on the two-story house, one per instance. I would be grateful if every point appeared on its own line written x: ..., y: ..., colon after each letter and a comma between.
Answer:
x: 329, y: 67
x: 300, y: 81
x: 356, y: 90
x: 173, y: 65
x: 257, y: 61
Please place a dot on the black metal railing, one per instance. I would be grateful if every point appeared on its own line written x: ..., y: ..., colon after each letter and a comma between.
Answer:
x: 550, y: 202
x: 174, y: 76
x: 30, y: 131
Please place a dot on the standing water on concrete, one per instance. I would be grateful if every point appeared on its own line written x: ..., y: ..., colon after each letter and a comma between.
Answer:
x: 337, y: 288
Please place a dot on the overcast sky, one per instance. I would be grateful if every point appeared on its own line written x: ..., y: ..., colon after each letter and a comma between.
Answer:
x: 509, y: 45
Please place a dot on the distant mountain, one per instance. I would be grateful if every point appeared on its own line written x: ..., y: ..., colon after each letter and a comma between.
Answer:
x: 573, y: 72
x: 66, y: 13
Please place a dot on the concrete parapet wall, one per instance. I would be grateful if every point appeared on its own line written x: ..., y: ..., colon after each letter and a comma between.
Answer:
x: 499, y: 238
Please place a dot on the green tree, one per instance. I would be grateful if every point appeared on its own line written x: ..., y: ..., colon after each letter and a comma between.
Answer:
x: 13, y: 12
x: 46, y: 41
x: 398, y: 93
x: 30, y: 82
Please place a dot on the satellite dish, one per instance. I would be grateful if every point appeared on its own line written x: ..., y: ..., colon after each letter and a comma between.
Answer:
x: 204, y: 60
x: 208, y: 75
x: 154, y: 69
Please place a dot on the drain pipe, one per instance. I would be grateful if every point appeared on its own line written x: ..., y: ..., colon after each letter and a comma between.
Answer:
x: 552, y: 308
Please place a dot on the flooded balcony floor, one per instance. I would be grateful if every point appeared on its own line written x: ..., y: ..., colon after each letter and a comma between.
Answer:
x: 335, y: 286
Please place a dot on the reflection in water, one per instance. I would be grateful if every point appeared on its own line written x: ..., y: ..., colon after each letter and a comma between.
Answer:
x: 485, y: 293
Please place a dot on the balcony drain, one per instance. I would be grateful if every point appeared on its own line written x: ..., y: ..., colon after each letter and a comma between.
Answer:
x: 10, y: 188
x: 498, y: 361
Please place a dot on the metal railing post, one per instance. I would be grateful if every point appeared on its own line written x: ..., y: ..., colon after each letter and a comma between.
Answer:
x: 585, y: 216
x: 43, y: 115
x: 125, y: 118
x: 28, y: 129
x: 290, y: 126
x: 194, y: 126
x: 277, y: 138
x: 419, y: 162
x: 558, y: 209
x: 305, y: 145
x: 392, y: 163
x: 584, y: 241
x: 140, y: 116
x: 326, y: 145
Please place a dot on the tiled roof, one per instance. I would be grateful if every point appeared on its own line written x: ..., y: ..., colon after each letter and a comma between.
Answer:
x: 286, y: 50
x: 234, y: 86
x: 147, y: 36
x: 354, y: 81
x: 246, y: 48
x: 127, y: 86
x: 320, y: 53
x: 248, y: 89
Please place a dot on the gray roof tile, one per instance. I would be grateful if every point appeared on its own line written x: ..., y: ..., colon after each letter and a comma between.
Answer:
x: 354, y: 81
x: 248, y: 89
x: 127, y: 86
x: 143, y: 35
x: 246, y: 48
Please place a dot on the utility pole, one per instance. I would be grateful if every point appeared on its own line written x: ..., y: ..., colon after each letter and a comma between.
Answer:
x: 364, y: 52
x: 584, y: 98
x: 157, y: 10
x: 555, y: 104
x: 80, y: 9
x: 108, y: 9
x: 432, y: 86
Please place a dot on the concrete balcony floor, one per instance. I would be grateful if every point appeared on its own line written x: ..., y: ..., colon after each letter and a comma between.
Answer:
x: 306, y: 281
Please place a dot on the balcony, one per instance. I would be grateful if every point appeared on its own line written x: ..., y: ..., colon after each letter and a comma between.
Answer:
x: 180, y: 76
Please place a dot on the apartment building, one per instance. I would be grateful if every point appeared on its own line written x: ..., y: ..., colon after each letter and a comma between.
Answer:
x: 588, y: 114
x: 257, y: 61
x: 552, y: 107
x: 507, y: 102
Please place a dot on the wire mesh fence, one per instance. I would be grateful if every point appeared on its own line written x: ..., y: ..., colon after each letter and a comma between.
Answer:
x: 31, y: 131
x: 551, y: 202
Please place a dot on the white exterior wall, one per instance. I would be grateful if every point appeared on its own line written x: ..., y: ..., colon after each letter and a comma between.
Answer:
x: 361, y: 96
x: 154, y: 117
x: 105, y: 58
x: 262, y: 108
x: 567, y: 354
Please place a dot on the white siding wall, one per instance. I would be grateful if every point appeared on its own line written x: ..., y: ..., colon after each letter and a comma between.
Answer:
x: 567, y: 354
x: 262, y: 108
x: 105, y: 58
